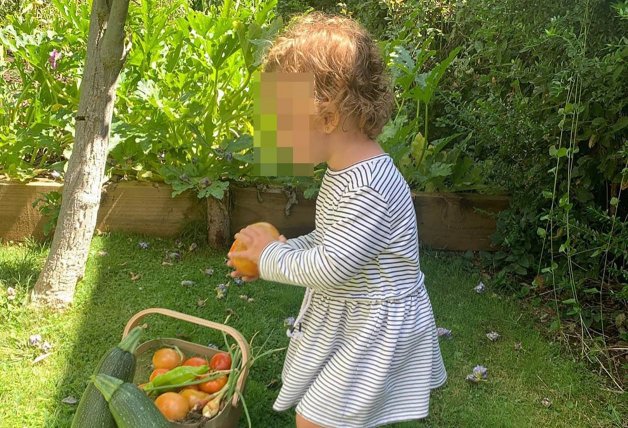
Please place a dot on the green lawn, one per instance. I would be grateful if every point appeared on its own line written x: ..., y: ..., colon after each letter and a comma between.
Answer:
x: 31, y: 394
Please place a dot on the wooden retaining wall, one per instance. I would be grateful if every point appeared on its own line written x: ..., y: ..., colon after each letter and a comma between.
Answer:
x: 447, y: 221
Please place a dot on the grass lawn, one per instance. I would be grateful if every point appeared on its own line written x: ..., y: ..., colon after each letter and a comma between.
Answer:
x: 31, y: 394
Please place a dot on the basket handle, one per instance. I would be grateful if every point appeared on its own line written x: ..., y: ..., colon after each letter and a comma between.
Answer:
x: 235, y: 334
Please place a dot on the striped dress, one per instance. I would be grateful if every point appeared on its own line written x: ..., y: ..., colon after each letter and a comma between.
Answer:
x: 364, y: 350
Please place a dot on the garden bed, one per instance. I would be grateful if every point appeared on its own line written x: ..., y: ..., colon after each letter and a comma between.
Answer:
x: 136, y: 207
x: 447, y: 221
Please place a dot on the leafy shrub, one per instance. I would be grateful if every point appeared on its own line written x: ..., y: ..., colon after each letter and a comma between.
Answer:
x: 183, y: 112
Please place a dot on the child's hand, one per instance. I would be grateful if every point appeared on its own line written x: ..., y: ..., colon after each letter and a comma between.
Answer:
x: 255, y: 240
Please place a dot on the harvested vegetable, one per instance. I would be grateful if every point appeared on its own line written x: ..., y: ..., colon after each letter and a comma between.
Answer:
x: 167, y: 358
x: 220, y: 361
x: 173, y: 406
x: 175, y: 378
x: 195, y: 362
x: 213, y: 385
x: 93, y: 411
x: 130, y: 407
x: 196, y: 399
x: 156, y: 373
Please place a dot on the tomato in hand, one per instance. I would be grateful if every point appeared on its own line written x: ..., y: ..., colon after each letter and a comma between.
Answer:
x: 220, y: 361
x: 195, y: 362
x: 213, y: 385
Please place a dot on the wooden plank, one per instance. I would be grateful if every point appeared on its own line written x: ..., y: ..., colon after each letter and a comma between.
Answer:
x: 246, y: 209
x: 457, y: 222
x: 135, y: 207
x: 18, y: 218
x: 148, y: 208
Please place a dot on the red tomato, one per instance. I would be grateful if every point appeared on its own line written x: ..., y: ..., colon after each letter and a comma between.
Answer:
x: 220, y: 361
x: 195, y: 361
x: 213, y: 385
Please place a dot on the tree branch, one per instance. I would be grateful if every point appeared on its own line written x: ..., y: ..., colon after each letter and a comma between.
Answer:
x: 113, y: 40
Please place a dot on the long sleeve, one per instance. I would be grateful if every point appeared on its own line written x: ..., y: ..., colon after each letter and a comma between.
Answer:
x: 355, y: 233
x: 303, y: 242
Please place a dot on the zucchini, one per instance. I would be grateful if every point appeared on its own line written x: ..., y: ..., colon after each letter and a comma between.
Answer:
x: 119, y: 362
x: 129, y: 405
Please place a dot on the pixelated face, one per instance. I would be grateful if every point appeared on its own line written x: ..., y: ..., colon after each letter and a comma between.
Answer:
x: 284, y: 122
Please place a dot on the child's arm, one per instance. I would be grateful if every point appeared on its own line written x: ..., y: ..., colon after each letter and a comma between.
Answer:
x: 360, y: 230
x: 303, y: 242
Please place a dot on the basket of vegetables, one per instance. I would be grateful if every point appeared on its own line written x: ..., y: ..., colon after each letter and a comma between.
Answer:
x: 167, y: 382
x: 192, y: 385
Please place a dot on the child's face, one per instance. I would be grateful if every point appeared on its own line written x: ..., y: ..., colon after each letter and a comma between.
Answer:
x: 286, y: 124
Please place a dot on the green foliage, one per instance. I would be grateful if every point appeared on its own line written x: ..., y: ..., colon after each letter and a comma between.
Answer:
x: 50, y: 206
x: 37, y: 100
x: 183, y: 112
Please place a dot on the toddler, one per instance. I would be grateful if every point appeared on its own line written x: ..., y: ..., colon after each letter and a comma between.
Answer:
x: 364, y: 350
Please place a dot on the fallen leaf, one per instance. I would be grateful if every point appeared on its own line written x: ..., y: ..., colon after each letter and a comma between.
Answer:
x: 102, y: 253
x: 518, y: 346
x: 135, y: 276
x: 193, y: 247
x: 69, y: 400
x: 187, y: 283
x: 208, y: 271
x: 11, y: 293
x: 46, y: 347
x: 166, y: 264
x: 41, y: 358
x: 143, y: 245
x: 546, y: 402
x: 201, y: 302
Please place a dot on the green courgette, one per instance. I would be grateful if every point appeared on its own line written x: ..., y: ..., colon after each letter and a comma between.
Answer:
x: 119, y: 362
x: 129, y: 405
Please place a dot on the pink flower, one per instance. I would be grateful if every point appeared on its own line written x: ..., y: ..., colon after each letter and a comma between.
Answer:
x: 53, y: 58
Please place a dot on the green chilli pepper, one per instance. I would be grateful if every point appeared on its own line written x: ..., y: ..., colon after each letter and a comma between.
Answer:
x: 177, y: 376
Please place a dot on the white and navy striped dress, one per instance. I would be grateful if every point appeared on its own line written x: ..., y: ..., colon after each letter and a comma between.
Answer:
x: 366, y: 351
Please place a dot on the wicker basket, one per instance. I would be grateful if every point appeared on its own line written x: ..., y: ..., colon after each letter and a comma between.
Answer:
x: 231, y: 412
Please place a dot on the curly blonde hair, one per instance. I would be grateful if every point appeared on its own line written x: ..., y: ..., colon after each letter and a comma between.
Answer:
x: 350, y: 76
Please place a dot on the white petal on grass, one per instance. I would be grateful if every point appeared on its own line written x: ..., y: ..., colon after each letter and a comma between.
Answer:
x: 443, y: 332
x: 493, y: 336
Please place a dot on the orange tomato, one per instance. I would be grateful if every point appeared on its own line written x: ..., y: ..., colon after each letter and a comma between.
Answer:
x: 167, y: 358
x: 220, y: 361
x: 173, y: 406
x: 213, y: 385
x: 245, y: 267
x: 192, y: 387
x: 195, y: 397
x: 195, y: 361
x: 156, y: 373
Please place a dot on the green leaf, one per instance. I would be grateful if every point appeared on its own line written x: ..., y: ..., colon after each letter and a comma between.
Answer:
x: 621, y: 123
x: 570, y: 302
x: 541, y: 232
x: 215, y: 190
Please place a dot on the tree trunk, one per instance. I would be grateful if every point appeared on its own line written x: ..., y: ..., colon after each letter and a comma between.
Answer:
x: 106, y: 53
